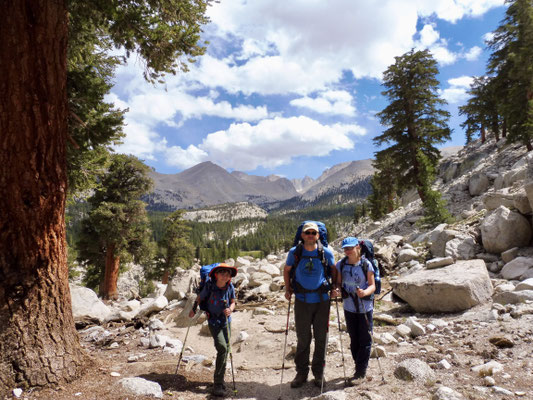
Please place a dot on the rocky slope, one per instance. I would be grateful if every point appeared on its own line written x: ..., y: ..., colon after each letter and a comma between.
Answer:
x: 454, y: 320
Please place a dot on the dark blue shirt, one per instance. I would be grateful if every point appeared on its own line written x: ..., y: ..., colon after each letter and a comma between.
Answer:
x: 215, y: 302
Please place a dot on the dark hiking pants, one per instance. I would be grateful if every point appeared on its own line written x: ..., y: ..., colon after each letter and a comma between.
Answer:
x: 360, y: 340
x: 307, y: 316
x: 220, y: 336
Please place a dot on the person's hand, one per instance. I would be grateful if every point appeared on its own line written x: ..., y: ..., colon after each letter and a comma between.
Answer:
x: 191, y: 314
x: 360, y: 293
x: 227, y: 312
x: 335, y: 292
x: 288, y: 293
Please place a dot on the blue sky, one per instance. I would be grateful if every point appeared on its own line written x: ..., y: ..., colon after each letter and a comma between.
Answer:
x: 292, y: 87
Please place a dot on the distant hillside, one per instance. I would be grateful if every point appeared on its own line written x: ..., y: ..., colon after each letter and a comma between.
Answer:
x: 207, y: 184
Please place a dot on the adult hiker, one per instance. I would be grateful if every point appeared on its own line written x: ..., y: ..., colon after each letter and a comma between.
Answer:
x: 310, y: 264
x: 218, y: 295
x: 356, y: 279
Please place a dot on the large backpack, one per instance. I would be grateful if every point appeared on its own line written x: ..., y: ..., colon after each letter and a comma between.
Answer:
x: 321, y: 243
x: 367, y: 252
x: 205, y: 279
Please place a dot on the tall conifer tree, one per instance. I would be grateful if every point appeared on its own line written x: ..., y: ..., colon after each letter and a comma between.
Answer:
x: 512, y: 63
x: 414, y: 119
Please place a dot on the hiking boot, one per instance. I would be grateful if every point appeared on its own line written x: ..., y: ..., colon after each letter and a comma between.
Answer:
x: 298, y: 380
x: 219, y: 389
x: 318, y: 381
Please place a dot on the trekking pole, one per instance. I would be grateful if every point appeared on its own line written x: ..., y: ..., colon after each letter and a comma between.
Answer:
x: 326, y: 349
x: 285, y: 347
x: 371, y: 336
x: 228, y: 331
x: 340, y: 339
x: 183, y: 346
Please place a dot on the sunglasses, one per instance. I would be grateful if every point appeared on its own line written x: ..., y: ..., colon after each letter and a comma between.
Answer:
x: 310, y: 232
x: 348, y: 248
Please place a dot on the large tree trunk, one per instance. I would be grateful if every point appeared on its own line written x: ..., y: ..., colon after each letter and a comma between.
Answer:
x: 38, y: 340
x: 112, y: 265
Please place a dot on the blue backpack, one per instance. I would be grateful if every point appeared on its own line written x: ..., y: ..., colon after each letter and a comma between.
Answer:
x: 322, y: 242
x: 367, y: 252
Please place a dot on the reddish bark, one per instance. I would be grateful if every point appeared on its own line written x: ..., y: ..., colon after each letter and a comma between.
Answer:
x: 166, y: 274
x: 112, y: 265
x: 38, y: 340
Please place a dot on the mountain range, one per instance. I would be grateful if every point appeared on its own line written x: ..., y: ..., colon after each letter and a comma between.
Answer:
x: 207, y: 184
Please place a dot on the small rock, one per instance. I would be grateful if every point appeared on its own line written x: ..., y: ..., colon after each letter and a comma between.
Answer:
x: 488, y: 369
x: 489, y: 381
x: 500, y: 390
x: 116, y: 374
x: 501, y: 342
x: 17, y: 392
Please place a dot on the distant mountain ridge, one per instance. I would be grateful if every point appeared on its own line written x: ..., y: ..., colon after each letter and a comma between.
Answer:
x: 207, y: 184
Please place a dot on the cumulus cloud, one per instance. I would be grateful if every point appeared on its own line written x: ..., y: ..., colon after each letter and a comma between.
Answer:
x: 333, y: 102
x: 473, y: 53
x: 297, y: 49
x: 453, y: 10
x: 270, y: 143
x: 457, y: 90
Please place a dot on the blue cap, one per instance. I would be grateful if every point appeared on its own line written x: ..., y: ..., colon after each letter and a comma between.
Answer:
x: 350, y: 241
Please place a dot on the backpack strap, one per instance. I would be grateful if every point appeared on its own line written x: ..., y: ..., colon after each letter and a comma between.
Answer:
x: 327, y: 271
x: 364, y: 265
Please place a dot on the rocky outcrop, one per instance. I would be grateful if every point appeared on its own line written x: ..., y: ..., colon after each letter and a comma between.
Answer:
x: 504, y: 229
x: 456, y: 287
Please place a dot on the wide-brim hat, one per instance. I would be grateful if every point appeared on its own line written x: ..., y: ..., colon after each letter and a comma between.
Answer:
x: 231, y: 268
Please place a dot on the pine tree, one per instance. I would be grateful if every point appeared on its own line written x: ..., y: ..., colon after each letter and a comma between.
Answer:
x: 175, y: 248
x: 482, y: 109
x: 414, y: 120
x: 117, y: 228
x: 34, y: 118
x: 512, y: 63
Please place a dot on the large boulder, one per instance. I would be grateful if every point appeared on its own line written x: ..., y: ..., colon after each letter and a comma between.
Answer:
x: 504, y: 229
x: 87, y: 306
x: 456, y: 287
x: 517, y: 268
x: 478, y: 184
x: 181, y: 283
x: 128, y: 281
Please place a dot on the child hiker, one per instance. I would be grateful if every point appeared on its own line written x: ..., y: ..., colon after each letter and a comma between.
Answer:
x: 356, y: 279
x: 218, y: 295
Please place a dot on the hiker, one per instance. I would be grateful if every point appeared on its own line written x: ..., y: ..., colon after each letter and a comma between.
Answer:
x: 311, y: 307
x: 357, y: 290
x: 218, y: 295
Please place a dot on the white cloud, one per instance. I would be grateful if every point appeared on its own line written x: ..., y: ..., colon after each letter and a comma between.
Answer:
x: 309, y: 43
x: 335, y: 102
x: 453, y: 10
x: 443, y: 55
x: 457, y: 91
x: 270, y: 143
x: 428, y: 35
x: 140, y: 141
x: 473, y: 54
x: 185, y: 158
x: 295, y: 48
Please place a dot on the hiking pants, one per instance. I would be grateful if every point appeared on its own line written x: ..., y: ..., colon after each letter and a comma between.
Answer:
x: 307, y: 315
x: 220, y: 336
x: 360, y: 339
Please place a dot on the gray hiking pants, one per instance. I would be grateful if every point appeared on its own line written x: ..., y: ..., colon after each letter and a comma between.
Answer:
x: 307, y: 316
